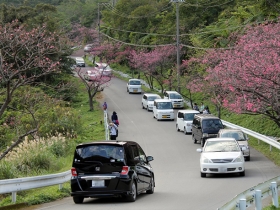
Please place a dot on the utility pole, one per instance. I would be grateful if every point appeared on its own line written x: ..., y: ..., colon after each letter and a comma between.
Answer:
x: 178, y: 42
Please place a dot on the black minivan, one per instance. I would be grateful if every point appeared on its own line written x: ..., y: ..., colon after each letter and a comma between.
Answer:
x: 111, y: 168
x: 205, y: 126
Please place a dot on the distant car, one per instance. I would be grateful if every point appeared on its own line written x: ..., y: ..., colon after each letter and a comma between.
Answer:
x: 104, y: 69
x: 148, y: 100
x: 240, y: 137
x: 175, y: 97
x: 88, y: 48
x: 80, y: 62
x: 221, y: 156
x: 185, y: 120
x: 91, y: 75
x: 111, y: 169
x: 134, y: 86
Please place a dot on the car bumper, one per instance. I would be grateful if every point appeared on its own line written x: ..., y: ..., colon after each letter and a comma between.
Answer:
x: 221, y: 168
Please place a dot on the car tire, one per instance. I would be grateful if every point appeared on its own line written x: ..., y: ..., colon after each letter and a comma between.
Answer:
x: 194, y: 140
x: 242, y: 173
x: 248, y: 158
x: 177, y: 128
x: 152, y: 187
x: 202, y: 174
x: 147, y: 109
x: 78, y: 199
x: 143, y: 106
x: 185, y: 131
x: 133, y: 193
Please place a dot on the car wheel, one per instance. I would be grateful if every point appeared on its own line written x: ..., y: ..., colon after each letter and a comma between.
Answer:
x: 185, y: 131
x: 248, y: 158
x: 177, y: 128
x: 242, y: 173
x: 147, y: 109
x: 143, y: 106
x: 194, y: 140
x: 152, y: 187
x: 133, y: 193
x: 126, y: 89
x: 202, y: 174
x: 78, y: 199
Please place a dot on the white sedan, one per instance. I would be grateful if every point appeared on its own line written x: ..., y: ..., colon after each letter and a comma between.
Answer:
x: 221, y: 156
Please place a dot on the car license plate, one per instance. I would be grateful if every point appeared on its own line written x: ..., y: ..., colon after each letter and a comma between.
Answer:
x: 134, y: 90
x: 164, y: 116
x: 97, y: 183
x: 223, y: 170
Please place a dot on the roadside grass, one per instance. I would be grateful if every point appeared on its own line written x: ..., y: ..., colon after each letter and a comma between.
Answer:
x: 92, y: 129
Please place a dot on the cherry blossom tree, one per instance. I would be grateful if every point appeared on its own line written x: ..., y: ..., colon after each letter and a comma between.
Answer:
x: 249, y: 73
x: 26, y: 55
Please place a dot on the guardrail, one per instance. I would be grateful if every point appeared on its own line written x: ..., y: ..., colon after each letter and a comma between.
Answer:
x: 268, y: 140
x: 27, y: 183
x: 254, y: 196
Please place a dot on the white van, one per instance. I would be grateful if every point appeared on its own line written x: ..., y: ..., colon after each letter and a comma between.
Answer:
x: 163, y: 109
x: 175, y: 97
x: 134, y: 86
x: 148, y: 100
x: 80, y: 62
x: 184, y: 120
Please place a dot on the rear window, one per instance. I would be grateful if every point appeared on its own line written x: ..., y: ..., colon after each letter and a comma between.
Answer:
x: 189, y: 116
x: 212, y: 124
x: 95, y: 152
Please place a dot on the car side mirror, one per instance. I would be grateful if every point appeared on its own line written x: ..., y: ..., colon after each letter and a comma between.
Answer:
x: 150, y: 158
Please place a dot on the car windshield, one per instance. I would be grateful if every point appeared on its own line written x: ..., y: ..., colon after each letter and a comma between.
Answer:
x: 221, y: 146
x: 100, y: 151
x: 134, y: 82
x: 189, y: 116
x: 237, y: 135
x: 152, y: 98
x: 165, y: 105
x: 212, y: 124
x: 175, y: 96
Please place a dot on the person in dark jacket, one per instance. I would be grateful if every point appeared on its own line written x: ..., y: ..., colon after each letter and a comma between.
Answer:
x: 114, y: 118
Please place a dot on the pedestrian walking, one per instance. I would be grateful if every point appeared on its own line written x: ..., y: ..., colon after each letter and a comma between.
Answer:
x: 201, y: 108
x: 115, y: 118
x: 195, y: 107
x: 105, y: 106
x: 113, y: 131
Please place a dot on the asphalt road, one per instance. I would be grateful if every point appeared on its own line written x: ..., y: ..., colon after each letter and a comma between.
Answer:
x: 176, y: 164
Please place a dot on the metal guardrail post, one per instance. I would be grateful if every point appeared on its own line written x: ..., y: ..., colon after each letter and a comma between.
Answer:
x: 258, y: 200
x: 14, y: 197
x: 274, y: 191
x: 242, y: 204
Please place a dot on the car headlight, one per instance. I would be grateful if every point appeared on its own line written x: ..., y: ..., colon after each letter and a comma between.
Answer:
x: 205, y: 135
x: 205, y: 160
x: 239, y: 159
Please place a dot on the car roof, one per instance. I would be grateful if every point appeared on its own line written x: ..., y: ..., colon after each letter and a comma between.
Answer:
x: 151, y: 94
x: 134, y: 79
x: 79, y: 58
x: 162, y: 100
x: 230, y: 130
x: 107, y: 142
x: 188, y: 111
x: 172, y: 91
x: 221, y: 139
x: 206, y: 116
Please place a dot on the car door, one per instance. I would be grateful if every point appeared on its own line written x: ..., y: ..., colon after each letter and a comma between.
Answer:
x: 196, y: 126
x: 180, y: 120
x: 144, y: 168
x: 145, y: 101
x: 138, y: 168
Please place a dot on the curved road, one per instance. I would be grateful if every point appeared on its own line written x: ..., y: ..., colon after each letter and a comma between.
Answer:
x: 176, y: 164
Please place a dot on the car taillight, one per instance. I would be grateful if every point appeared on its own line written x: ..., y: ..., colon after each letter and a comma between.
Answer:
x: 125, y: 170
x: 73, y: 172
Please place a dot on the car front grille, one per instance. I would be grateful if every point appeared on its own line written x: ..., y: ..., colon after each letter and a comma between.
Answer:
x: 231, y: 169
x: 213, y: 169
x: 221, y: 160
